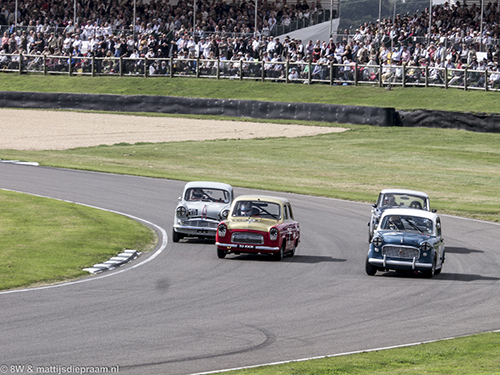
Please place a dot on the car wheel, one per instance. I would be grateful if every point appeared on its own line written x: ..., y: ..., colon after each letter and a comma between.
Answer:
x: 370, y: 231
x: 221, y: 254
x: 175, y: 236
x: 279, y: 255
x: 438, y: 271
x: 292, y: 253
x: 371, y: 270
x: 430, y: 273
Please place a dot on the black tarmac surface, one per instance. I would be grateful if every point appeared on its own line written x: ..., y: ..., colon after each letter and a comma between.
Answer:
x: 186, y: 311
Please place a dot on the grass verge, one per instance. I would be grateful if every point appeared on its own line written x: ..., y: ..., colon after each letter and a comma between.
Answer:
x: 460, y: 170
x: 472, y: 355
x: 408, y: 98
x: 45, y: 241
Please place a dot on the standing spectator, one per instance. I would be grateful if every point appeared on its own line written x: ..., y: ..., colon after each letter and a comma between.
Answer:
x: 405, y: 55
x: 271, y: 21
x: 52, y: 42
x: 278, y: 47
x: 330, y: 47
x: 69, y: 29
x: 5, y: 41
x: 12, y: 43
x: 316, y: 55
x: 362, y: 56
x: 77, y: 43
x: 396, y: 55
x: 68, y: 41
x: 309, y: 48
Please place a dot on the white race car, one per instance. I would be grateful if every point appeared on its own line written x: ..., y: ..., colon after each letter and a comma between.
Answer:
x: 396, y: 198
x: 201, y: 207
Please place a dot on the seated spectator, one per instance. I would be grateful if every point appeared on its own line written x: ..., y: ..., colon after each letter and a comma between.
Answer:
x: 294, y: 75
x: 494, y: 77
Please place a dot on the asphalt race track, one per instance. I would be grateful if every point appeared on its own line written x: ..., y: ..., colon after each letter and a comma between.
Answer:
x: 186, y: 311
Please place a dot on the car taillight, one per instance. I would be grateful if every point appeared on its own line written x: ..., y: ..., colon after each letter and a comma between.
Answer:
x: 222, y: 229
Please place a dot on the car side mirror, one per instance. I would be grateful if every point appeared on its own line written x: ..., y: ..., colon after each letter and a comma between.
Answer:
x: 434, y: 210
x: 374, y: 205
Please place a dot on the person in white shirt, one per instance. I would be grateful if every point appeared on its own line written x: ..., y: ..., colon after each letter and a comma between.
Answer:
x: 294, y: 75
x: 67, y: 44
x: 271, y: 21
x: 77, y: 43
x: 191, y: 45
x: 270, y: 46
x: 494, y: 77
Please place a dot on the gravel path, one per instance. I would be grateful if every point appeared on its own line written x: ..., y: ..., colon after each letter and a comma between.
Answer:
x: 59, y: 130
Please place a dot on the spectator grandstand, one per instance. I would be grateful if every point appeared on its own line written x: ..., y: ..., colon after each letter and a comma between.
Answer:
x: 459, y: 38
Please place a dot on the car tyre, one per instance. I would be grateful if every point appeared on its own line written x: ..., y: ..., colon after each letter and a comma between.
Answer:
x: 279, y: 255
x: 430, y: 273
x: 292, y: 252
x: 370, y: 231
x: 438, y: 271
x: 221, y: 254
x: 176, y: 236
x: 371, y: 270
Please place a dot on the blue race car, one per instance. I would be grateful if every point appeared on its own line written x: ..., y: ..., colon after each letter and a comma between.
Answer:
x: 407, y: 240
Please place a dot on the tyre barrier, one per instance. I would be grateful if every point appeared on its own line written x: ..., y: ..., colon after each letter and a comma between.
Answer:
x: 478, y: 122
x: 200, y: 106
x: 342, y: 114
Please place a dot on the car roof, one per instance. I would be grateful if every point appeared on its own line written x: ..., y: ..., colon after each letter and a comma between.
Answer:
x: 266, y: 198
x: 404, y: 191
x: 410, y: 212
x: 208, y: 184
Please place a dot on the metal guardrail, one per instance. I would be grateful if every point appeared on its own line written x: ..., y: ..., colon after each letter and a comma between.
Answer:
x: 287, y: 72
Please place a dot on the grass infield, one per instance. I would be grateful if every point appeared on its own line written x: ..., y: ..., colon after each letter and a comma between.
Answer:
x: 45, y: 241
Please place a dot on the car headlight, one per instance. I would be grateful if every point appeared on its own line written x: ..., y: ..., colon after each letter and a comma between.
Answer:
x: 273, y: 234
x: 377, y: 241
x: 426, y: 246
x: 222, y: 229
x: 181, y: 211
x: 224, y: 214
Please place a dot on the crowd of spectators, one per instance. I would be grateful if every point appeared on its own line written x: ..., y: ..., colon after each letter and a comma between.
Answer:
x: 225, y: 31
x: 157, y: 16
